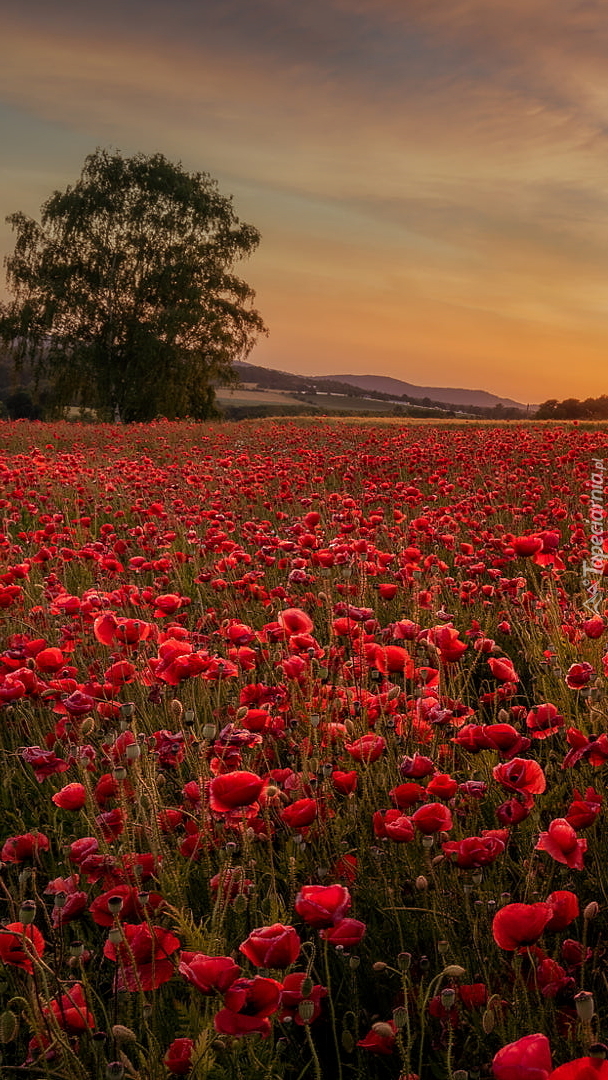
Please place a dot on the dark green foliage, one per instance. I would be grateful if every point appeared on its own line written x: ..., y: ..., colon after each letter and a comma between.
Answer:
x: 573, y: 409
x: 124, y: 298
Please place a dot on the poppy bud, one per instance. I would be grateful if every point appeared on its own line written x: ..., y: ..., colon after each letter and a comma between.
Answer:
x: 384, y: 1030
x: 488, y: 1021
x: 347, y: 1040
x: 123, y: 1034
x: 9, y: 1027
x: 591, y: 910
x: 453, y: 971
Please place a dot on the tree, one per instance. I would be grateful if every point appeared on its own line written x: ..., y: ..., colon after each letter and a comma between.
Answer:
x: 124, y: 300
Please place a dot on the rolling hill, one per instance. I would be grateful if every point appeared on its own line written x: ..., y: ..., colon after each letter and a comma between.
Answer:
x: 448, y: 395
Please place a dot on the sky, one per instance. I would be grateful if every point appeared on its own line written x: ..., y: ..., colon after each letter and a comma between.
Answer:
x: 429, y: 177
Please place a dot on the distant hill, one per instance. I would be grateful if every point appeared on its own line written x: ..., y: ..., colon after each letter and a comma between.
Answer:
x: 449, y: 395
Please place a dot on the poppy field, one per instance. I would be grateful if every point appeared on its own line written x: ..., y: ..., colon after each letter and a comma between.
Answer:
x: 304, y: 737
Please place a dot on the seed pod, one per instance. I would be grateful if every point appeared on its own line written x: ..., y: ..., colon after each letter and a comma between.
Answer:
x: 306, y: 1010
x: 27, y: 912
x: 400, y: 1017
x: 585, y: 1006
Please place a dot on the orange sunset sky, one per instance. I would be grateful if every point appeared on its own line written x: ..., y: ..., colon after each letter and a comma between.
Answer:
x: 430, y: 177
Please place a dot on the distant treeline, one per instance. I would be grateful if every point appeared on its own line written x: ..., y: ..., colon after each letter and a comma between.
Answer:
x: 573, y: 409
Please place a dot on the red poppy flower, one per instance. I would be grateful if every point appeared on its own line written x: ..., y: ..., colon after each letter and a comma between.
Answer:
x: 234, y: 789
x: 26, y: 846
x: 432, y: 818
x: 582, y: 812
x: 579, y: 675
x: 208, y: 973
x: 322, y: 905
x: 474, y: 851
x: 19, y: 943
x: 526, y: 545
x: 178, y: 1059
x: 300, y: 813
x: 520, y: 924
x: 506, y: 739
x: 71, y: 1012
x: 70, y: 797
x: 368, y: 748
x: 544, y: 720
x: 132, y: 907
x: 416, y: 767
x: 275, y: 946
x: 513, y: 811
x: 381, y: 1039
x: 393, y: 824
x: 565, y: 908
x: 442, y: 786
x: 247, y: 1004
x: 344, y: 782
x: 143, y: 956
x: 295, y: 621
x: 562, y: 844
x: 526, y: 1059
x: 585, y: 1068
x: 502, y: 669
x: 346, y: 932
x: 521, y: 774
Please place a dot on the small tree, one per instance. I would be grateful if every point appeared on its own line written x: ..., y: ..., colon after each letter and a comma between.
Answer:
x: 124, y: 298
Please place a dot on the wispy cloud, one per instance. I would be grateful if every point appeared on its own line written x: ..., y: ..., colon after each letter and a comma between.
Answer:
x: 429, y: 177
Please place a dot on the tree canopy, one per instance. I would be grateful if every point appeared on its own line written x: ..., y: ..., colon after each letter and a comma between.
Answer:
x: 124, y: 298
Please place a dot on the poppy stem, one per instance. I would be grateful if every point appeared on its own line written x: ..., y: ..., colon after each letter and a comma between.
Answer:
x: 313, y: 1053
